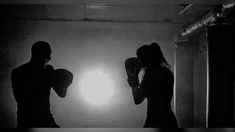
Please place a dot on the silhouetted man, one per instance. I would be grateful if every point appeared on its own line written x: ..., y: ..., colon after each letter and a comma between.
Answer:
x: 31, y: 83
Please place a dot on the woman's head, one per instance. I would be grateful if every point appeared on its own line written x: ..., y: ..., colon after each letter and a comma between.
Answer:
x: 151, y: 55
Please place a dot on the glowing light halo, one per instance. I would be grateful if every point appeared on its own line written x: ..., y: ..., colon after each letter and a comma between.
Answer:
x: 96, y: 87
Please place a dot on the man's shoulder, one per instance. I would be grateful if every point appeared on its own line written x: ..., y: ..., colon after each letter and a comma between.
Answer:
x: 22, y: 68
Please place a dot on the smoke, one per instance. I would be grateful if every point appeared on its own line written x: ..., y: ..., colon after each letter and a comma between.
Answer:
x: 80, y: 46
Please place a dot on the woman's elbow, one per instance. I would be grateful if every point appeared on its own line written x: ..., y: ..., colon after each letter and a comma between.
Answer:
x: 138, y: 101
x: 62, y: 95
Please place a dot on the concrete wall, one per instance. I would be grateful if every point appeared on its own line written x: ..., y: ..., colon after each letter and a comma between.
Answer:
x: 205, y: 78
x: 191, y: 81
x: 79, y: 46
x: 184, y: 84
x: 200, y: 79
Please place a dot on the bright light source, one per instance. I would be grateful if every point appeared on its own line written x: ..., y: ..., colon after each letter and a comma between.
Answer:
x: 96, y: 87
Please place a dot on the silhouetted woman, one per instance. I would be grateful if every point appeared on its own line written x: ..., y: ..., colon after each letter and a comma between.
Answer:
x: 156, y: 86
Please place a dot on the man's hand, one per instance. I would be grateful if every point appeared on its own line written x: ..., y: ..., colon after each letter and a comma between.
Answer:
x: 49, y: 71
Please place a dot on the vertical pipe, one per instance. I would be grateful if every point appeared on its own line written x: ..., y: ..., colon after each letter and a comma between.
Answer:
x: 174, y: 97
x: 207, y: 82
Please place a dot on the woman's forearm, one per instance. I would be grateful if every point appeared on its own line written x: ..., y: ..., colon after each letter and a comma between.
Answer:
x: 138, y: 95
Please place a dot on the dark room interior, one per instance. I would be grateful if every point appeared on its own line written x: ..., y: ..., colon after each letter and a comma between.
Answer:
x: 95, y: 37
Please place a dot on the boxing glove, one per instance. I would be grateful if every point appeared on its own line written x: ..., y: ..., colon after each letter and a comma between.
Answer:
x: 62, y: 79
x: 133, y: 67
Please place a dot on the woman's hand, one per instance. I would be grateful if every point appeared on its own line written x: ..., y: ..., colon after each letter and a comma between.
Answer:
x: 133, y: 67
x: 133, y: 81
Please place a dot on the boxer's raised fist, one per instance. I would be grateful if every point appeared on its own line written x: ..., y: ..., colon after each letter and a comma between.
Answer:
x: 133, y: 67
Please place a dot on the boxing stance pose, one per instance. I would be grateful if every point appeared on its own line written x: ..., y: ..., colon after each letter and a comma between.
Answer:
x: 156, y: 86
x: 31, y: 84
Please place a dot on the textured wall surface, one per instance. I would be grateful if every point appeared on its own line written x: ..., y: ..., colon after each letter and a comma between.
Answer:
x: 80, y: 46
x: 191, y: 81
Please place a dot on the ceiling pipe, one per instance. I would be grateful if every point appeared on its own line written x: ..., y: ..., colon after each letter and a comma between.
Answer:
x: 185, y: 9
x: 213, y: 16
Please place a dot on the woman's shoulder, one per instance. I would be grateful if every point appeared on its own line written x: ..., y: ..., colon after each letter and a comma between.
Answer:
x: 160, y: 70
x: 161, y: 73
x: 167, y: 70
